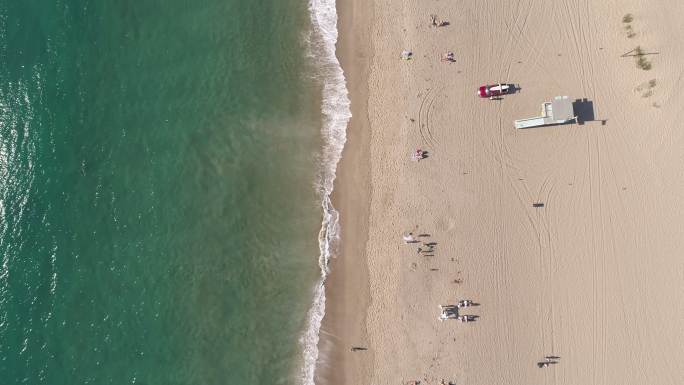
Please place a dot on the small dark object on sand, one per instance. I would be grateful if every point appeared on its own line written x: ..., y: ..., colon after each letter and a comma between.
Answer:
x: 537, y: 205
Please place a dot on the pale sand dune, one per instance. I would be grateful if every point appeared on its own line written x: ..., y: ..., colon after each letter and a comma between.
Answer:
x: 597, y: 275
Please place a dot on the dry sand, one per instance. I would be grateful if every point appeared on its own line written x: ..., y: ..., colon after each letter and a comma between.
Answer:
x: 596, y: 276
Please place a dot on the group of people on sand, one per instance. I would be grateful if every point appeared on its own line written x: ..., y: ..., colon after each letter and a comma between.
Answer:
x: 548, y: 360
x: 448, y: 56
x: 447, y: 311
x: 426, y: 248
x: 452, y: 311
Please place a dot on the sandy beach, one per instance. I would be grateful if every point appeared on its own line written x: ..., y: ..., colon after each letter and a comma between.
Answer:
x: 593, y: 276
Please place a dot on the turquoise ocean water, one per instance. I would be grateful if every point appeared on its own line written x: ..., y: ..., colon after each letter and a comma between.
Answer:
x: 161, y: 190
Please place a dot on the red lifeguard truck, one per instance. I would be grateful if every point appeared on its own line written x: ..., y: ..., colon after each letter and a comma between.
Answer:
x: 494, y: 90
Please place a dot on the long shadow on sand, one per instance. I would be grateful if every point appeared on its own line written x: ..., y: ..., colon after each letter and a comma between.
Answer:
x: 584, y: 110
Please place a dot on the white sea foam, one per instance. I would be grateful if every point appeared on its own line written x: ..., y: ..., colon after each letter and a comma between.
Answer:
x: 336, y: 113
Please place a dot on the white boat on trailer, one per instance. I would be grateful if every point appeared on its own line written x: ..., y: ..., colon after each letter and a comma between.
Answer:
x: 557, y: 111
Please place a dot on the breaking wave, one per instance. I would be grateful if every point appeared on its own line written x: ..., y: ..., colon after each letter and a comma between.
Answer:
x: 336, y: 113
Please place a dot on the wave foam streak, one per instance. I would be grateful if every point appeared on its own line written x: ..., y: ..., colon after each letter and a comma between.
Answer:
x: 336, y: 114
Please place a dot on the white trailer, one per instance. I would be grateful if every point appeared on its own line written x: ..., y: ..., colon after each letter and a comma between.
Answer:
x: 557, y: 111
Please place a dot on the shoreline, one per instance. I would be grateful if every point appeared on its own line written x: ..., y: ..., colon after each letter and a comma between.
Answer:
x: 347, y: 288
